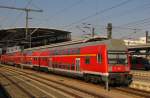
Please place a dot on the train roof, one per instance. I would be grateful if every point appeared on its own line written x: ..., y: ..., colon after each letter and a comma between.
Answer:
x: 112, y: 44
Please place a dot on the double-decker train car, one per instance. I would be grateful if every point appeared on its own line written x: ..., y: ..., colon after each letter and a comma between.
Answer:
x: 96, y: 61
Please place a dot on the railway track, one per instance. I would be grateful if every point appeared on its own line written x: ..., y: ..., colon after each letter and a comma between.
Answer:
x: 42, y: 90
x: 32, y: 88
x: 27, y: 92
x: 75, y: 92
x: 141, y: 80
x: 121, y: 89
x: 140, y: 73
x: 134, y: 91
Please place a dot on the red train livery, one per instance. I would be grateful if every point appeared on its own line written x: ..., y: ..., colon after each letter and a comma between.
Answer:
x: 94, y: 61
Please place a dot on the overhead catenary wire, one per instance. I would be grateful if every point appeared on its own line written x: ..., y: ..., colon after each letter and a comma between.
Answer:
x: 63, y: 10
x: 136, y: 25
x: 19, y: 15
x: 26, y: 10
x: 6, y: 16
x: 99, y: 12
x: 141, y: 25
x: 135, y: 22
x: 67, y: 8
x: 129, y: 11
x: 146, y: 26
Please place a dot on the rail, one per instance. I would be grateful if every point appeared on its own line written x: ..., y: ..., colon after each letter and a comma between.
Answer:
x: 122, y: 89
x: 58, y: 83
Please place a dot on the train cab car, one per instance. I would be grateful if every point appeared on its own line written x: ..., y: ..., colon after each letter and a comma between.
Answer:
x: 110, y: 62
x: 119, y: 67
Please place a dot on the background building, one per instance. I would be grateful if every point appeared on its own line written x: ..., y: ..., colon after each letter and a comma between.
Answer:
x: 140, y: 41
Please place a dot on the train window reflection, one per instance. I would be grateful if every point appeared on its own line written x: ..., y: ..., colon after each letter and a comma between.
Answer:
x: 87, y: 60
x: 99, y: 58
x: 117, y: 58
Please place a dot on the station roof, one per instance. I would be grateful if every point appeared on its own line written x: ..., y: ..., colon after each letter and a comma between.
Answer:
x: 139, y: 47
x: 40, y: 36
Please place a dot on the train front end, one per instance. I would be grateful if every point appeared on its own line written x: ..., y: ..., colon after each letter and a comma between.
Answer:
x: 118, y: 63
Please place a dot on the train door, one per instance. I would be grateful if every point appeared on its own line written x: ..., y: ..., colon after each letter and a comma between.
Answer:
x: 50, y: 63
x: 77, y: 63
x: 39, y: 61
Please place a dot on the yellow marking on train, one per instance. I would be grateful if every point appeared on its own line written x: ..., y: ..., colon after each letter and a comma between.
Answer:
x: 79, y: 55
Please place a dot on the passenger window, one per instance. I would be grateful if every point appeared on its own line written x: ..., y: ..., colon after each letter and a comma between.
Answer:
x: 87, y: 60
x: 68, y: 66
x: 99, y: 58
x: 45, y: 59
x: 72, y: 66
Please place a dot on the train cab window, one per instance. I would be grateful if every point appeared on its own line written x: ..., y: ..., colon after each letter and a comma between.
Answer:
x: 87, y: 60
x: 117, y: 58
x: 99, y: 58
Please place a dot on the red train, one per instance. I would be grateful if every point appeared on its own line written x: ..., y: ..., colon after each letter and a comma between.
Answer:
x: 139, y: 63
x: 97, y: 61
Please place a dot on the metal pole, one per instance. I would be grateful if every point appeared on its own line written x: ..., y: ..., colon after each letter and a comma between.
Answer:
x: 109, y: 31
x: 27, y: 24
x: 107, y: 83
x: 146, y: 36
x: 93, y: 32
x: 30, y: 40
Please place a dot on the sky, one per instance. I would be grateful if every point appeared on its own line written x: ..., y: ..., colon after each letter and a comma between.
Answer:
x: 130, y: 18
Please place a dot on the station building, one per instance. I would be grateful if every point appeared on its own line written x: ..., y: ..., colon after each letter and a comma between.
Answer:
x: 11, y: 39
x: 131, y: 42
